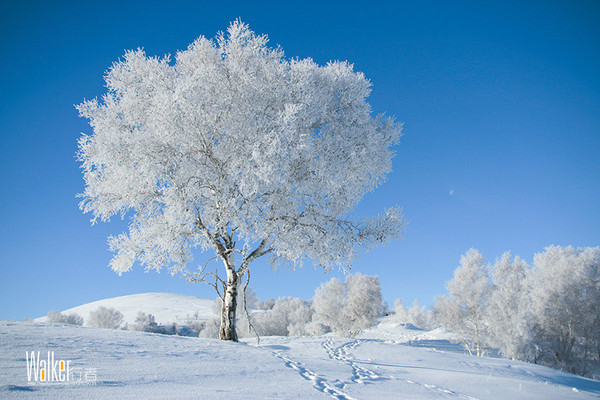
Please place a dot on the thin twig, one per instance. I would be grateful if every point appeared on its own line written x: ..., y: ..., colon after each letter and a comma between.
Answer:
x: 250, y: 326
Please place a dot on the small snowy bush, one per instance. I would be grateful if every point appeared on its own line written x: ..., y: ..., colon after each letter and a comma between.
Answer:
x: 195, y: 323
x: 55, y: 317
x: 315, y: 328
x: 145, y: 322
x: 210, y: 329
x: 288, y: 317
x: 103, y: 317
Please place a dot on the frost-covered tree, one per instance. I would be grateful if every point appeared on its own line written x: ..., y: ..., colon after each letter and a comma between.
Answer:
x: 400, y: 312
x: 265, y: 305
x: 350, y: 307
x: 565, y: 302
x: 465, y: 311
x: 233, y: 148
x: 363, y: 304
x: 328, y: 303
x: 416, y: 315
x: 105, y: 317
x: 509, y: 313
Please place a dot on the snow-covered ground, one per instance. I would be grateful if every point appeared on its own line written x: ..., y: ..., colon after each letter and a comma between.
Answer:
x: 392, y: 361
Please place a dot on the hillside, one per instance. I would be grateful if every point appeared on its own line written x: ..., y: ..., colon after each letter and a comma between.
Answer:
x: 389, y: 361
x: 166, y: 307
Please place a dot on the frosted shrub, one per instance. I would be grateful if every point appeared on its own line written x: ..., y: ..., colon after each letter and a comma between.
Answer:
x: 103, y: 317
x: 210, y: 329
x: 183, y: 330
x: 364, y: 304
x: 350, y: 307
x: 195, y: 323
x: 400, y: 311
x: 315, y: 328
x: 288, y: 317
x: 145, y: 322
x: 55, y: 317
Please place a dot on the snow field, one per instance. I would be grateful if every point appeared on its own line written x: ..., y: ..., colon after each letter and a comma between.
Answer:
x: 138, y: 365
x: 390, y: 361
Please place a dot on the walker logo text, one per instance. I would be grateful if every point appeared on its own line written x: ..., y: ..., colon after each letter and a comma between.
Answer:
x: 47, y: 370
x: 51, y: 370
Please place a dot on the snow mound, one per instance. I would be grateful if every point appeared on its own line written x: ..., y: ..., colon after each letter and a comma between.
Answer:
x: 166, y: 307
x: 399, y: 332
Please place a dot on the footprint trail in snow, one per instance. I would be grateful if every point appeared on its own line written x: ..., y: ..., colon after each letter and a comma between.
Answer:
x: 318, y: 382
x: 364, y: 375
x: 359, y: 373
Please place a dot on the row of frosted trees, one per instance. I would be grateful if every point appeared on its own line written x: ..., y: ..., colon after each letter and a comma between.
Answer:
x: 343, y: 307
x: 548, y: 313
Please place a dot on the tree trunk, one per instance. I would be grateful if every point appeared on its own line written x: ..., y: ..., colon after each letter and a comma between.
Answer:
x: 228, y: 310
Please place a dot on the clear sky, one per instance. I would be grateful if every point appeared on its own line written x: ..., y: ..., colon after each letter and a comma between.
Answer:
x: 500, y: 101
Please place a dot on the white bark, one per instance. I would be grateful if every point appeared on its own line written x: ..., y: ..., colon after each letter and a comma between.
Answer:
x: 230, y: 297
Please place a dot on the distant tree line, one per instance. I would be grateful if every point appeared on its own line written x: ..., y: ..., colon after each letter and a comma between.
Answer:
x: 344, y: 308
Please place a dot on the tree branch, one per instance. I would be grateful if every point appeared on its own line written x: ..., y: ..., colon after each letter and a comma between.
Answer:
x: 200, y: 276
x: 258, y: 252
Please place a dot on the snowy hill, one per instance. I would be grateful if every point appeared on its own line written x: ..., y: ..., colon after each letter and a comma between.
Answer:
x: 116, y: 364
x: 390, y: 361
x: 166, y: 307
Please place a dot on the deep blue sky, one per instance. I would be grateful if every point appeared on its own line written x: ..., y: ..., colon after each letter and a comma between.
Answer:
x: 500, y: 100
